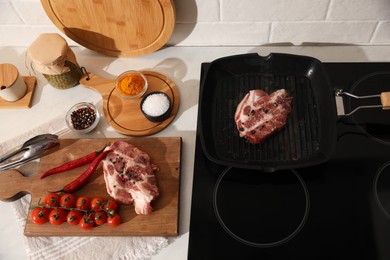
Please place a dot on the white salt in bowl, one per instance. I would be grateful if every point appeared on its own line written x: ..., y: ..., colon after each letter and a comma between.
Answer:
x: 156, y: 106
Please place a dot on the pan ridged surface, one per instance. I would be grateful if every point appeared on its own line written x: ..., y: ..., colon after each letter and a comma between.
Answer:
x: 298, y: 140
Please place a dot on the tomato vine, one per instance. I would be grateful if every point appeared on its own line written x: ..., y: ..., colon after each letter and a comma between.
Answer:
x: 84, y: 212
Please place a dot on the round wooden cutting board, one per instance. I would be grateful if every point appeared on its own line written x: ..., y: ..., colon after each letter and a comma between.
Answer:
x: 125, y: 115
x: 114, y: 27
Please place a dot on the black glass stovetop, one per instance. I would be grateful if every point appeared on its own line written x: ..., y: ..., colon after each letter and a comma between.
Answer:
x: 336, y: 210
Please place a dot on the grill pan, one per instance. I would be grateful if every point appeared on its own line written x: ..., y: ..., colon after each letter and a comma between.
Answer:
x: 309, y: 136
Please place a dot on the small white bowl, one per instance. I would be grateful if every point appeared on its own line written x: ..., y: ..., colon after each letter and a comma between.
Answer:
x: 82, y: 117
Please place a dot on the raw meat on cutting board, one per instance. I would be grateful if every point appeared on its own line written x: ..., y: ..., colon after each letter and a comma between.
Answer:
x: 130, y: 177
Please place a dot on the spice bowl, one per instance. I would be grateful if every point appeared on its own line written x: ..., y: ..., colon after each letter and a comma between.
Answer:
x: 82, y: 117
x: 156, y: 106
x: 131, y: 84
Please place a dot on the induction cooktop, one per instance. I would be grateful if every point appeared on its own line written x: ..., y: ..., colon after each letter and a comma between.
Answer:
x: 339, y: 209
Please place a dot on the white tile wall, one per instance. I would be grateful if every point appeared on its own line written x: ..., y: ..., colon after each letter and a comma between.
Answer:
x: 273, y: 10
x: 8, y: 14
x: 382, y: 33
x: 31, y: 12
x: 323, y: 32
x: 191, y: 11
x: 350, y: 10
x: 236, y: 22
x: 202, y: 33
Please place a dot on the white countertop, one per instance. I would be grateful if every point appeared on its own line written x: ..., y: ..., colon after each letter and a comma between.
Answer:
x: 182, y: 65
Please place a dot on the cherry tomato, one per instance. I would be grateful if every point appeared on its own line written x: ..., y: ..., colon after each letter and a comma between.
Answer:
x: 86, y: 222
x: 52, y: 200
x: 57, y: 216
x: 68, y: 200
x: 40, y: 215
x: 97, y: 203
x: 83, y: 203
x: 114, y: 220
x: 100, y: 217
x: 111, y: 204
x: 74, y: 216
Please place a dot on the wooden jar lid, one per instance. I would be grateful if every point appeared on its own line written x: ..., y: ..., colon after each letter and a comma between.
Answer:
x: 8, y: 75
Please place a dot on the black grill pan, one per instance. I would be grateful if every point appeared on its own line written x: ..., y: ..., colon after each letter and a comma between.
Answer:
x: 309, y: 136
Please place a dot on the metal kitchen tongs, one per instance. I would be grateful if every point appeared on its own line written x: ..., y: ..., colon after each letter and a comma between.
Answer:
x: 339, y: 93
x: 30, y: 150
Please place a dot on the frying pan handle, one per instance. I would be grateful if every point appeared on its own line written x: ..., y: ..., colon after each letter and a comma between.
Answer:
x: 385, y: 100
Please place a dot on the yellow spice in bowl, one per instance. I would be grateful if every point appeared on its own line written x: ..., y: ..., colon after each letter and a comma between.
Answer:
x: 131, y: 85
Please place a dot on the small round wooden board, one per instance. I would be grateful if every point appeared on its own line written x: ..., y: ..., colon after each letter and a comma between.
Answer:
x: 125, y: 115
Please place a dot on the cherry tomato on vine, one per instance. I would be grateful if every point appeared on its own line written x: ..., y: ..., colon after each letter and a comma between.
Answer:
x: 83, y: 203
x: 114, y: 220
x: 111, y: 204
x: 74, y: 216
x: 97, y: 203
x: 100, y: 217
x: 52, y: 200
x: 40, y: 215
x: 87, y: 222
x: 68, y: 200
x: 57, y: 216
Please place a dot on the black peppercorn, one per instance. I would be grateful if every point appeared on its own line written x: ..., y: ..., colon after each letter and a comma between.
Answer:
x: 83, y: 118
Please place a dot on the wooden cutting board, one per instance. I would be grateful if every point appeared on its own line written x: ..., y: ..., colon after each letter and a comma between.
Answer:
x: 165, y: 152
x: 114, y: 27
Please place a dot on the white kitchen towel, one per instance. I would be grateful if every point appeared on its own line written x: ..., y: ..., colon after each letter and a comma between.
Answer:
x: 65, y: 248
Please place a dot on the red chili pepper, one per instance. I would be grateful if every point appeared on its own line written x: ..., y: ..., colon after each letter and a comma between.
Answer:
x: 82, y: 179
x: 73, y: 164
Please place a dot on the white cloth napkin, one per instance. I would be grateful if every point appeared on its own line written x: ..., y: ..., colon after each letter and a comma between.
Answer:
x: 50, y: 248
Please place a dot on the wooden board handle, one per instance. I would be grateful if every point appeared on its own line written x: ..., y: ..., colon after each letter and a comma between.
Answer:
x: 101, y: 85
x: 13, y: 185
x: 385, y: 99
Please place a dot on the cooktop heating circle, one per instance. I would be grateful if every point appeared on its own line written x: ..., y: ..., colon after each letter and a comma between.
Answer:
x: 261, y: 209
x: 382, y: 188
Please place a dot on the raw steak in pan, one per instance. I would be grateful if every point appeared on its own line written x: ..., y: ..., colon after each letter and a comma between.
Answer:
x: 129, y: 176
x: 309, y: 136
x: 259, y: 115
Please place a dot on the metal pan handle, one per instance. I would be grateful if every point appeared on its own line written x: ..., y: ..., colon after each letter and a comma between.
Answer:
x: 339, y: 93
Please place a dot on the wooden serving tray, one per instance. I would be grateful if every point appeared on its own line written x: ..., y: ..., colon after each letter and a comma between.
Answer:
x: 163, y: 221
x: 125, y: 115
